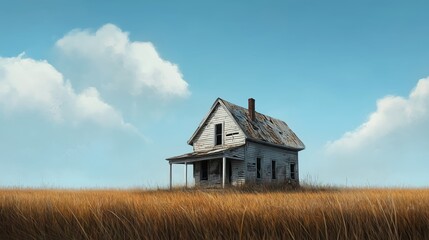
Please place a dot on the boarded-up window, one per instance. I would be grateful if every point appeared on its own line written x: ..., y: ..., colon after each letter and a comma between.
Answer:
x: 258, y: 168
x: 273, y: 169
x: 218, y: 134
x: 204, y: 170
x: 292, y: 171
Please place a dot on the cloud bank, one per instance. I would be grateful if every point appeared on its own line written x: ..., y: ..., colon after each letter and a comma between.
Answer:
x: 113, y: 62
x: 70, y: 125
x: 101, y: 62
x: 36, y: 86
x: 390, y: 147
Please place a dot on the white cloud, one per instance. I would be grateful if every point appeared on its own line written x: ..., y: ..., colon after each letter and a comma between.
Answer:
x: 115, y: 63
x: 394, y: 114
x: 31, y: 85
x: 389, y: 148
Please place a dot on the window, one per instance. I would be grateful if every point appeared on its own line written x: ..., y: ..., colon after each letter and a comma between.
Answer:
x: 204, y: 171
x: 292, y: 170
x: 218, y: 134
x: 258, y: 168
x: 273, y: 169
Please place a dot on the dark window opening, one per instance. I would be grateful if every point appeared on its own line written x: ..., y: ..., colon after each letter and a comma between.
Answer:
x: 231, y: 134
x: 258, y: 168
x: 204, y: 170
x: 273, y: 169
x: 292, y: 170
x: 218, y: 134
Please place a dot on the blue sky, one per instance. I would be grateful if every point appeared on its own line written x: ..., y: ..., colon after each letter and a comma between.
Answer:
x: 98, y: 94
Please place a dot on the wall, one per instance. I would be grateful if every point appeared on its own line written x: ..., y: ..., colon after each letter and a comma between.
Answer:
x: 205, y: 140
x: 238, y: 172
x: 215, y: 173
x: 245, y: 171
x: 267, y: 154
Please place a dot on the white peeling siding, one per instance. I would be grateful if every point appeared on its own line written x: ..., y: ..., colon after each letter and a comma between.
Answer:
x: 215, y: 168
x: 232, y: 134
x: 197, y: 173
x: 238, y: 172
x: 215, y: 173
x: 268, y: 154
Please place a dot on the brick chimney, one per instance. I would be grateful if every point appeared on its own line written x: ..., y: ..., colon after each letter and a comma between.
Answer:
x: 251, y: 109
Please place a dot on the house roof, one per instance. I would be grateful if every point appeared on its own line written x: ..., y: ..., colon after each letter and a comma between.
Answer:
x: 263, y: 129
x: 209, y: 154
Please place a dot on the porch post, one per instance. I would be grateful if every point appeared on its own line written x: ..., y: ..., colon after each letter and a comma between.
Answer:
x: 171, y: 176
x: 223, y: 171
x: 186, y: 174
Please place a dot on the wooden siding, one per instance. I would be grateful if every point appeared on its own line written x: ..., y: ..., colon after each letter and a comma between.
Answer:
x: 215, y: 173
x: 236, y: 153
x: 232, y: 134
x: 245, y: 171
x: 268, y: 154
x: 238, y: 172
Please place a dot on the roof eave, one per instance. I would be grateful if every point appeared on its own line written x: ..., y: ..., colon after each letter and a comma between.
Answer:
x: 297, y: 149
x: 209, y: 155
x: 190, y: 141
x: 190, y: 158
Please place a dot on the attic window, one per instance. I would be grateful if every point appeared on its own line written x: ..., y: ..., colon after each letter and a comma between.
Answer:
x: 218, y: 134
x: 231, y: 134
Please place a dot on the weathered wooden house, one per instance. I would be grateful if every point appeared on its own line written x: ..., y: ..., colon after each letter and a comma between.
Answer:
x: 234, y: 145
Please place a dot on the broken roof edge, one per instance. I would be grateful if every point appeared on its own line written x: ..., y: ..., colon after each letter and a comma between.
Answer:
x: 297, y: 149
x: 262, y: 124
x: 211, y: 152
x: 221, y: 102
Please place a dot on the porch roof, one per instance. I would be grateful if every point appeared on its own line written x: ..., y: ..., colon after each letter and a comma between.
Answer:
x: 206, y: 155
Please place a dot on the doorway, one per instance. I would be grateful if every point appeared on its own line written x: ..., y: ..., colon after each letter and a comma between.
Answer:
x: 229, y: 171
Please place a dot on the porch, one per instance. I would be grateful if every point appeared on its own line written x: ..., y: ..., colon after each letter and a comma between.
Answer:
x: 212, y: 168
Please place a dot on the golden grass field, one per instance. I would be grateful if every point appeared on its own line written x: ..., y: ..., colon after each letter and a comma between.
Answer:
x: 231, y: 214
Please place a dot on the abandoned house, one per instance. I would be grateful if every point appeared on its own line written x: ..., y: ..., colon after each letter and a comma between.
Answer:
x: 234, y: 145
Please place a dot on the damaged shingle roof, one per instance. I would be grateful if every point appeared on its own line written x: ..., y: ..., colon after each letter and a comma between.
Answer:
x: 264, y: 128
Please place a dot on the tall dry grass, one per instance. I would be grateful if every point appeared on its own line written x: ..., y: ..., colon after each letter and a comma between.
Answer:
x: 115, y: 214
